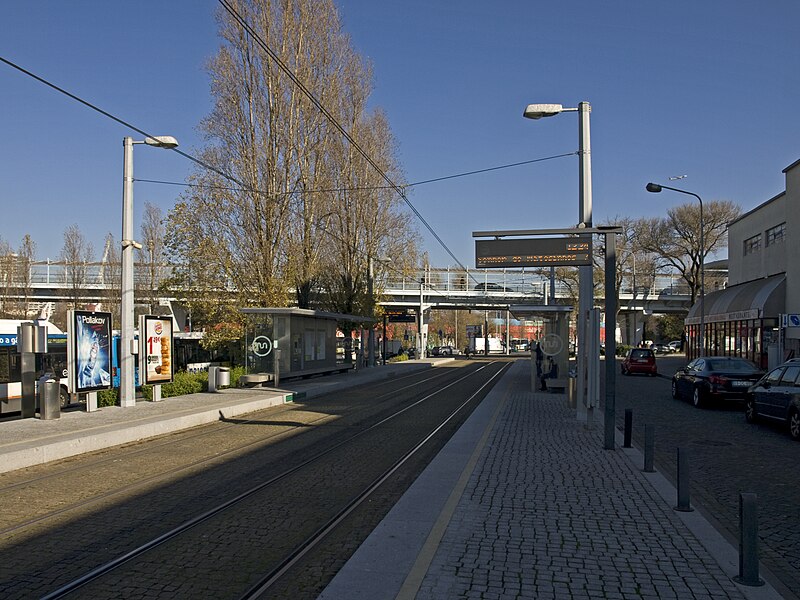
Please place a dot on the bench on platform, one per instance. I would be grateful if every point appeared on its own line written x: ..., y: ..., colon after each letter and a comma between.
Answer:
x: 255, y: 379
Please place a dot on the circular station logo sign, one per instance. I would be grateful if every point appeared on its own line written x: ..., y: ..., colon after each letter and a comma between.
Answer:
x: 552, y: 344
x: 261, y: 345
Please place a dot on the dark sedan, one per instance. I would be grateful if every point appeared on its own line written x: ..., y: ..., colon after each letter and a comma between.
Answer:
x: 715, y: 378
x: 776, y: 397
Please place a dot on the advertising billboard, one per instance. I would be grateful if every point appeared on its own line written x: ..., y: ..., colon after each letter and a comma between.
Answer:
x: 156, y: 351
x: 91, y: 349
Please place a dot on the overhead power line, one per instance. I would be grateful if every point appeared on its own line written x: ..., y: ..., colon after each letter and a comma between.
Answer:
x: 357, y: 189
x: 242, y: 186
x: 316, y: 102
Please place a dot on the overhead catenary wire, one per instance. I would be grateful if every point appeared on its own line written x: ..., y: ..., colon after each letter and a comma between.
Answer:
x: 316, y: 102
x: 244, y: 187
x: 357, y: 189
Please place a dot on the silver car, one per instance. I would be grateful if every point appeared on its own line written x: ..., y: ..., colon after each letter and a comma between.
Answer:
x: 776, y: 397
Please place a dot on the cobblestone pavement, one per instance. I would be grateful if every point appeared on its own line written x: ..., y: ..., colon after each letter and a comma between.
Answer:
x: 566, y: 519
x: 727, y: 456
x: 524, y: 502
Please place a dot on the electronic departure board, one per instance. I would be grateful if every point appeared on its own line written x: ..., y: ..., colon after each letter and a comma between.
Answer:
x: 534, y: 252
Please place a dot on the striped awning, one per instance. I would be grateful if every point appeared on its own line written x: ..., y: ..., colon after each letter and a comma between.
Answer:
x: 751, y: 300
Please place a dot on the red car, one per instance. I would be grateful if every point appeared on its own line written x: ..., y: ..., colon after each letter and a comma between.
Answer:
x: 639, y: 360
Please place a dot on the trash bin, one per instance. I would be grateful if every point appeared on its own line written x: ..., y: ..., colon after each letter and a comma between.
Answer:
x: 49, y: 400
x: 223, y: 377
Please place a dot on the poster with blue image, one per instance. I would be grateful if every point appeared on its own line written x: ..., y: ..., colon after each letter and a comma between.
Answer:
x: 92, y: 339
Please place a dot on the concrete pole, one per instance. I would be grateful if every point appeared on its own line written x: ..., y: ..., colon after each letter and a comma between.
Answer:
x: 370, y: 294
x: 420, y: 345
x: 508, y: 332
x: 586, y: 365
x: 610, y: 415
x: 127, y: 389
x: 702, y: 281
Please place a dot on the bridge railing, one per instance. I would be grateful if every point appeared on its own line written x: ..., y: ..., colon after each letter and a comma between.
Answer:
x: 512, y: 283
x: 446, y: 281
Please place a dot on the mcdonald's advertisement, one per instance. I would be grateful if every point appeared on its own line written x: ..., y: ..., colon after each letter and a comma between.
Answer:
x: 156, y: 353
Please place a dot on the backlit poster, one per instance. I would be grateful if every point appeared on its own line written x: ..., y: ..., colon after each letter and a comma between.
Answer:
x: 157, y: 349
x: 91, y: 333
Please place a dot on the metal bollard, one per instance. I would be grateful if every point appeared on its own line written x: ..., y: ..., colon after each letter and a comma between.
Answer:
x: 649, y: 448
x: 684, y: 505
x: 628, y: 427
x: 748, y: 540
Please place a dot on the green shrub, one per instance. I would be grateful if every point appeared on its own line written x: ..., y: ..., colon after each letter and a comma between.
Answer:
x: 189, y: 383
x: 108, y: 397
x: 236, y: 373
x: 184, y: 383
x: 398, y: 358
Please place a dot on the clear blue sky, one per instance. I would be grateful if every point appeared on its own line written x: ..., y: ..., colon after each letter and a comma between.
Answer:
x: 703, y: 89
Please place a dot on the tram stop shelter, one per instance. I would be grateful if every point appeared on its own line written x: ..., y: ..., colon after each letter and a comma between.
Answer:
x: 295, y: 342
x: 554, y: 343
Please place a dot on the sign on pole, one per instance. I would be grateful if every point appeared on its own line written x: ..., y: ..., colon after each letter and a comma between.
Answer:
x: 400, y: 316
x: 156, y: 355
x: 573, y: 251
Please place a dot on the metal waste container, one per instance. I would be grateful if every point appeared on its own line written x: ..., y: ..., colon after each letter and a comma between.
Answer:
x: 217, y: 377
x: 223, y: 377
x: 49, y: 400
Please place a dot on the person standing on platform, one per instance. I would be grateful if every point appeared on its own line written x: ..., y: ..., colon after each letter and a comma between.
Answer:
x: 539, y: 356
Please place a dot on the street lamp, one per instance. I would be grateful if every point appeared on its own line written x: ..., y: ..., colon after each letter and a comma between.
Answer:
x: 127, y: 387
x: 371, y: 296
x: 586, y: 366
x: 656, y: 188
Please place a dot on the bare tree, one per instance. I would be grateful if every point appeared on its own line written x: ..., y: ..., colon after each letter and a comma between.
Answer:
x: 7, y: 272
x: 26, y: 254
x: 111, y: 272
x: 151, y: 254
x: 675, y: 239
x: 292, y: 219
x: 76, y: 253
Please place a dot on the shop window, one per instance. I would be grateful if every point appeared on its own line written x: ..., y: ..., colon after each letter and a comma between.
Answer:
x: 774, y: 235
x: 752, y: 244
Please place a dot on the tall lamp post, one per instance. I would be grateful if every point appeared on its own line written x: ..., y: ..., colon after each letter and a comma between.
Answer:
x: 656, y: 188
x: 587, y: 366
x: 127, y: 387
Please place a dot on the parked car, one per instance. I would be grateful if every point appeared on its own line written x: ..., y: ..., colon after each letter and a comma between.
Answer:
x: 639, y: 360
x: 776, y: 396
x: 662, y: 349
x: 675, y: 345
x: 715, y: 378
x: 443, y: 351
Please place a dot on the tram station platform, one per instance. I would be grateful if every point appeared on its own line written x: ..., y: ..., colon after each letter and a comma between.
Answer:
x: 28, y: 442
x: 522, y: 502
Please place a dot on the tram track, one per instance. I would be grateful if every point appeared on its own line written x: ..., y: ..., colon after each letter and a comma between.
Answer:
x: 172, y: 439
x: 211, y: 431
x: 176, y: 537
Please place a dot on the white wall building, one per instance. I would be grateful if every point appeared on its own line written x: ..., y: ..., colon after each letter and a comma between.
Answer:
x: 746, y: 319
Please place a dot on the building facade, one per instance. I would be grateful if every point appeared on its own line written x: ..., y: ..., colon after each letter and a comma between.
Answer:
x: 753, y: 316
